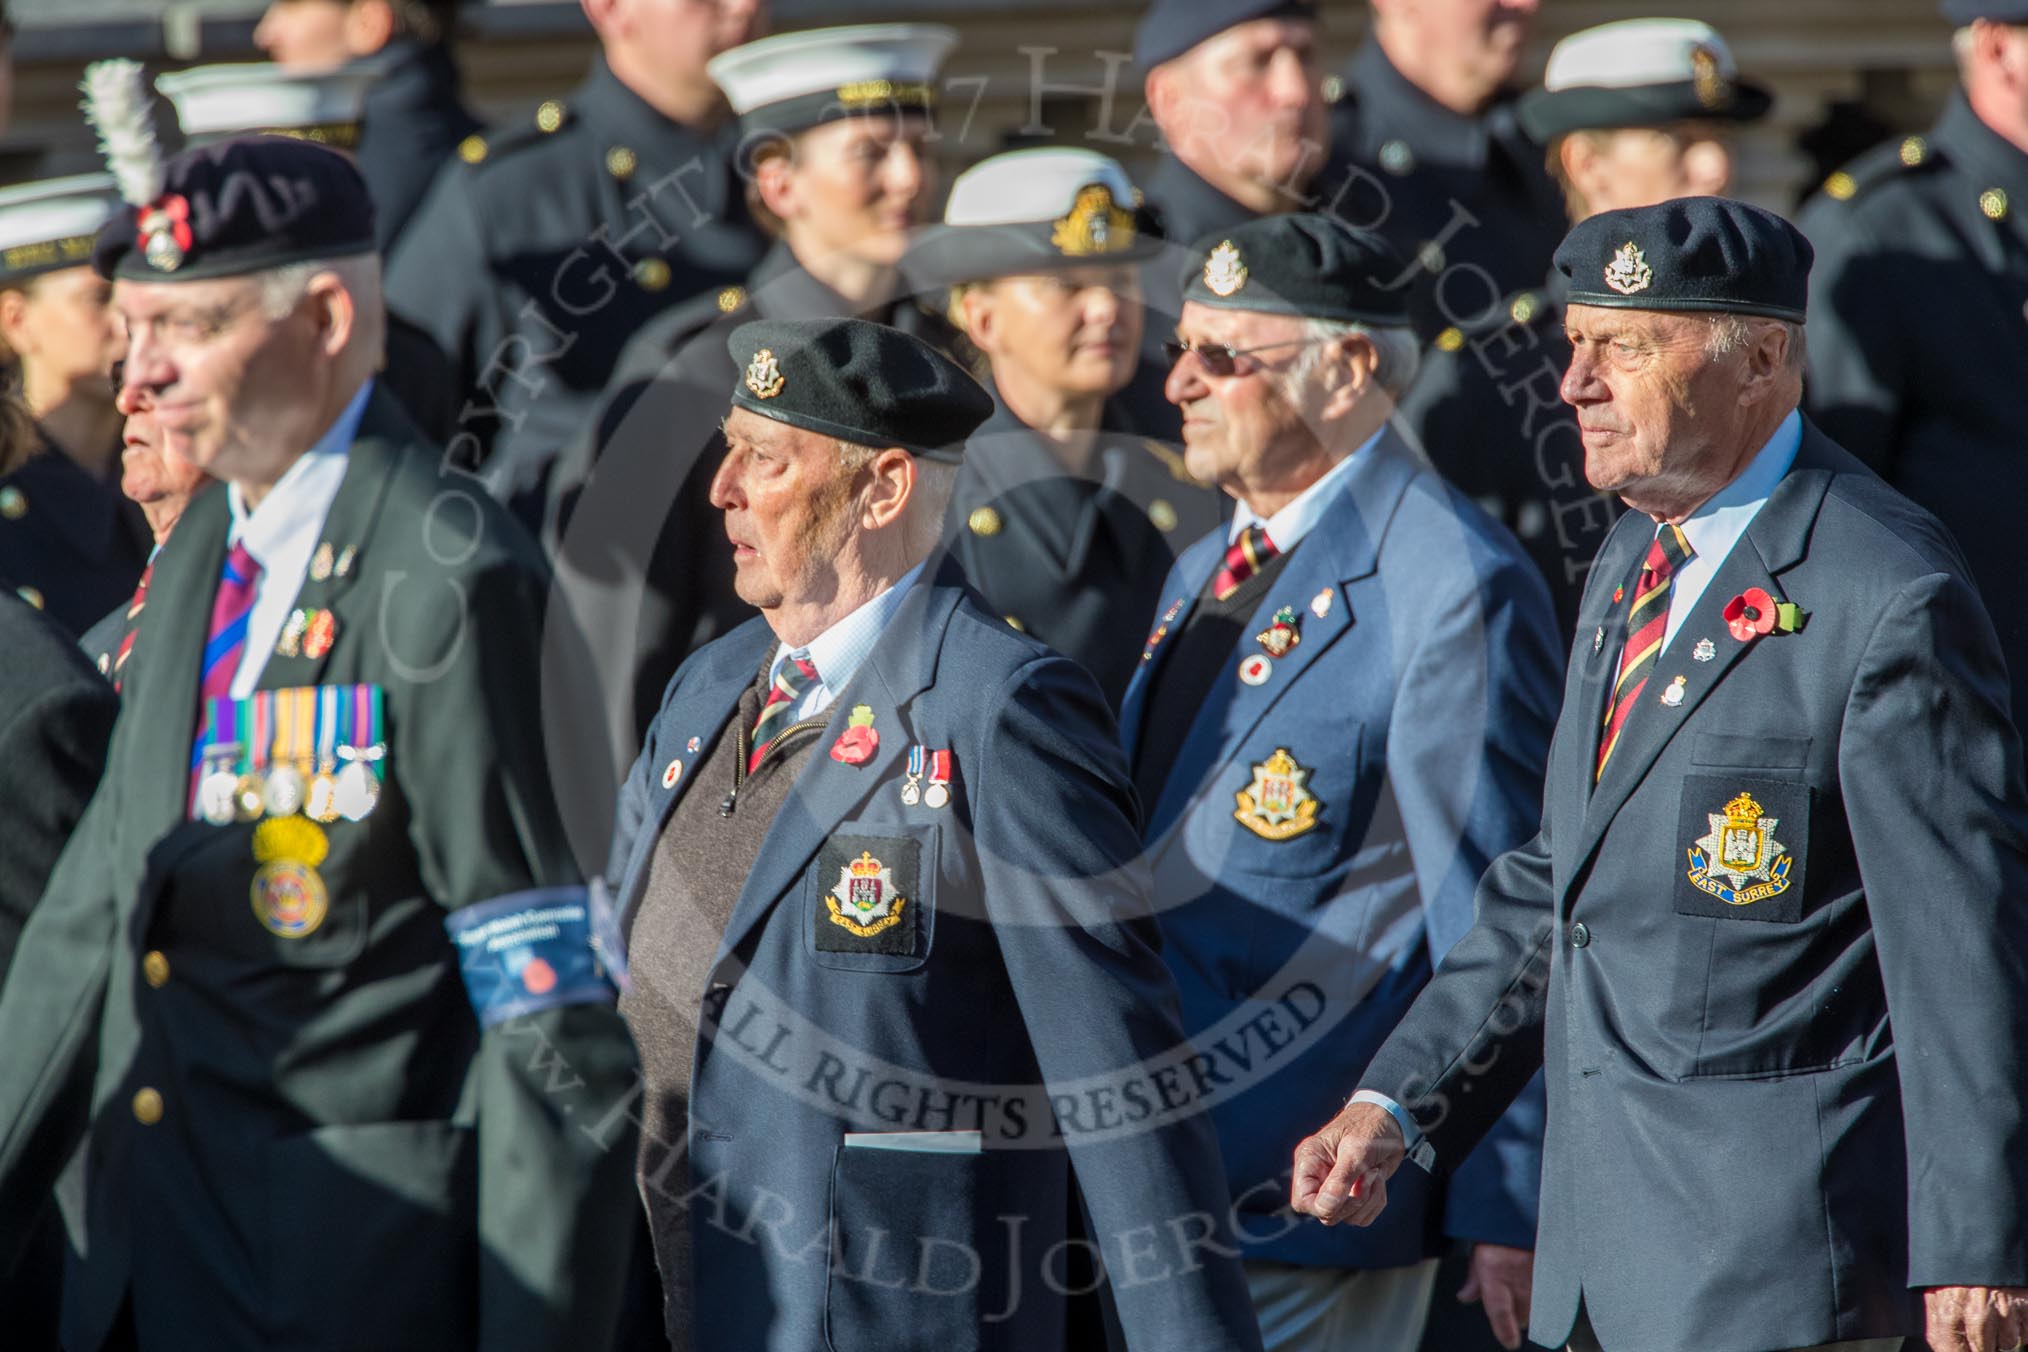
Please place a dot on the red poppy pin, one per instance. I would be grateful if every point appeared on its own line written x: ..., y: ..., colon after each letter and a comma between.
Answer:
x: 1753, y: 613
x: 856, y: 745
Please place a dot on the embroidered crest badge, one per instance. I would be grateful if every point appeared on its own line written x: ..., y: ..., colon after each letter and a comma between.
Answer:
x: 1094, y: 225
x: 1740, y: 862
x: 1277, y: 805
x: 1224, y: 271
x: 864, y: 900
x: 1629, y: 273
x: 1708, y: 78
x: 764, y: 375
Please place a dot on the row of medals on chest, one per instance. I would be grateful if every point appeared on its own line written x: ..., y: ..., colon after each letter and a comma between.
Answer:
x: 350, y: 791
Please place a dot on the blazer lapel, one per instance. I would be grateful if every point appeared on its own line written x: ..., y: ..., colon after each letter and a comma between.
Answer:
x: 1776, y: 540
x: 901, y: 666
x: 1179, y: 596
x: 702, y: 711
x: 348, y: 530
x: 1602, y: 632
x: 159, y: 701
x: 1341, y: 548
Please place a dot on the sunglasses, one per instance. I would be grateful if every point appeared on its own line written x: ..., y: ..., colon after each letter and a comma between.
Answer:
x: 1217, y: 359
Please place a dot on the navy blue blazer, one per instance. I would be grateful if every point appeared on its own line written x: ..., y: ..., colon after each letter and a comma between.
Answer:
x: 1775, y: 959
x: 1022, y: 998
x: 1414, y: 713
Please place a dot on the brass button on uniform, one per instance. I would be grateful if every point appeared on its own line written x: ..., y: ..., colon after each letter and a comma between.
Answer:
x: 155, y: 968
x: 651, y: 274
x: 1162, y: 514
x: 1993, y: 201
x: 13, y: 504
x: 30, y: 595
x: 472, y: 150
x: 731, y: 299
x: 1913, y: 151
x: 1451, y: 339
x: 549, y: 116
x: 147, y: 1107
x: 1014, y: 623
x: 984, y: 521
x: 621, y: 163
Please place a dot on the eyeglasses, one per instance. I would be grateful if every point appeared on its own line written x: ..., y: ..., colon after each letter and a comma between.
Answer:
x: 1217, y: 359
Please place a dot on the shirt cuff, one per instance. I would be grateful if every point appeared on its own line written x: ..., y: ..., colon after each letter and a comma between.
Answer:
x: 1419, y: 1150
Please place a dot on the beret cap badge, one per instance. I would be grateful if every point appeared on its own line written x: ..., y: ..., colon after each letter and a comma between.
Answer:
x: 1224, y: 272
x: 1629, y: 273
x: 165, y: 228
x: 1095, y: 224
x: 763, y: 375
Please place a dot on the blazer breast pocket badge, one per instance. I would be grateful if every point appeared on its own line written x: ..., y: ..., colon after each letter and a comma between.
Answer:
x: 1745, y: 844
x: 871, y: 897
x: 1278, y: 804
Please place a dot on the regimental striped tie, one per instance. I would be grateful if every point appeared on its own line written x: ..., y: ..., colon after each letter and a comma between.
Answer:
x: 225, y: 641
x: 134, y: 608
x: 793, y: 678
x: 1243, y: 558
x: 1647, y: 625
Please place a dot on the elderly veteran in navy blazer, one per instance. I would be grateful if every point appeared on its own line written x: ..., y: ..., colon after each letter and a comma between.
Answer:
x: 1340, y: 719
x: 312, y: 991
x: 894, y: 973
x: 1769, y: 943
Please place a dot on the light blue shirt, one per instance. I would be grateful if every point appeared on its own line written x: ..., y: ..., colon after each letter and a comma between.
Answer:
x: 841, y: 650
x: 1287, y: 527
x: 1716, y: 527
x: 282, y: 533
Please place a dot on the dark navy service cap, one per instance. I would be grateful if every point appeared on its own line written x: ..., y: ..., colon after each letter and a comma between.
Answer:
x: 1692, y: 253
x: 1172, y: 27
x: 237, y: 206
x: 1307, y: 264
x: 1999, y: 11
x: 859, y: 381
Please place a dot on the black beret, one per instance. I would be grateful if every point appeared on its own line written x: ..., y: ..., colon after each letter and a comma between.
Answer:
x: 238, y: 206
x: 1172, y: 27
x: 1999, y: 11
x: 859, y: 381
x: 1692, y: 253
x: 1307, y: 264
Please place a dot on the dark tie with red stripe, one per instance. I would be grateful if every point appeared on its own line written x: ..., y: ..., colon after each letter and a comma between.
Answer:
x: 1243, y: 559
x: 792, y: 678
x: 134, y: 609
x: 1647, y: 625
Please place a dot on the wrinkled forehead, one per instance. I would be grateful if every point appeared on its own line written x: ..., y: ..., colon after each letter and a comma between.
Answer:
x: 140, y: 300
x: 1235, y: 328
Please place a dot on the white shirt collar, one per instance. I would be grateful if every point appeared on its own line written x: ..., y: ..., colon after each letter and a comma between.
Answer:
x: 1287, y: 527
x: 289, y: 519
x: 1715, y: 528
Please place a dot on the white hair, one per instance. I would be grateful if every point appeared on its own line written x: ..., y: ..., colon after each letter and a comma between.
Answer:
x: 1728, y: 333
x: 1396, y: 354
x: 283, y: 288
x: 935, y: 483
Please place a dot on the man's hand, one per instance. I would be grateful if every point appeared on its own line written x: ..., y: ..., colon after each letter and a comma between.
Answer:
x: 1503, y: 1278
x: 1342, y: 1171
x: 1976, y: 1318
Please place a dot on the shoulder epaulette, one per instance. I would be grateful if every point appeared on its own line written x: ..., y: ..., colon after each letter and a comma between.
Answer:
x: 1883, y: 163
x: 551, y: 116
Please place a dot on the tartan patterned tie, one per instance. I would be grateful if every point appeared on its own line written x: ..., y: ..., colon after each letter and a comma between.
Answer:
x: 1647, y: 625
x: 1243, y: 559
x: 225, y: 641
x: 793, y: 678
x: 134, y: 608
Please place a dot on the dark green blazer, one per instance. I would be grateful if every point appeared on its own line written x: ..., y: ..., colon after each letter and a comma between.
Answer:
x: 338, y: 1157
